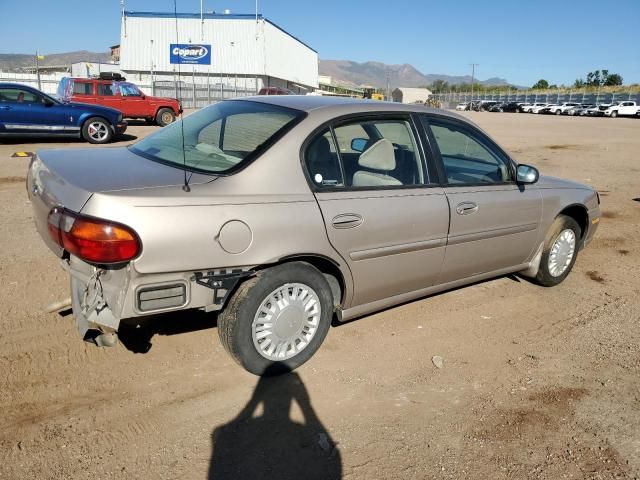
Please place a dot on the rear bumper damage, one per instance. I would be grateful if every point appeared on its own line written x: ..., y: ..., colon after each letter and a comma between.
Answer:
x: 101, y: 298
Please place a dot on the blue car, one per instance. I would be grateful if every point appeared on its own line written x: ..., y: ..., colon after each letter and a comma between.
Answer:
x: 27, y: 112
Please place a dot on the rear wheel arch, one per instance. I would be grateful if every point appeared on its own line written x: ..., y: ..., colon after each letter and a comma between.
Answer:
x: 327, y: 266
x: 579, y: 213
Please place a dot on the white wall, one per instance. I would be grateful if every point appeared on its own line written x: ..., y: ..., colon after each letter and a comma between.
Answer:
x: 48, y: 81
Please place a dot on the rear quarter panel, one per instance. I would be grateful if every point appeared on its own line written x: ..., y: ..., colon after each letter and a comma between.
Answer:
x: 180, y: 231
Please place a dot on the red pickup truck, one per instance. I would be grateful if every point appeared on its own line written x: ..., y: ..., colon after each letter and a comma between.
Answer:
x: 123, y: 96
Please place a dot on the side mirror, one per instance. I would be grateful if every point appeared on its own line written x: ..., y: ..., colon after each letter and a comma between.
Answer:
x: 143, y: 96
x: 47, y: 102
x: 358, y: 144
x: 527, y: 174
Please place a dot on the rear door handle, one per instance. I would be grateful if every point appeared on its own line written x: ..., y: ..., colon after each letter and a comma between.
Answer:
x: 466, y: 208
x: 347, y: 220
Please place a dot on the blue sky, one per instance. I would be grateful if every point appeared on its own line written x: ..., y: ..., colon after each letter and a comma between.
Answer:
x: 517, y: 40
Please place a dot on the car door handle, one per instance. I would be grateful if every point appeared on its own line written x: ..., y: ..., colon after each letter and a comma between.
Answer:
x: 5, y: 107
x: 466, y: 208
x: 347, y: 220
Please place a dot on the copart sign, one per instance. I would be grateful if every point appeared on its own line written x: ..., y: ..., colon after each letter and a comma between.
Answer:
x: 191, y: 54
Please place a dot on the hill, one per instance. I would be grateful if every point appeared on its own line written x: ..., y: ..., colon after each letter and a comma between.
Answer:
x: 405, y: 75
x: 17, y: 61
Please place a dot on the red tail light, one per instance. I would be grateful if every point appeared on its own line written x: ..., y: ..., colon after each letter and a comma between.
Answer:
x: 92, y: 239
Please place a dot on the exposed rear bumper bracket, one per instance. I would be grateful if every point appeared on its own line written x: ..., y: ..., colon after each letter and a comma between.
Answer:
x: 221, y: 282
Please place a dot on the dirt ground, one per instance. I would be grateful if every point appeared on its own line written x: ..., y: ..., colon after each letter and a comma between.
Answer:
x: 536, y: 383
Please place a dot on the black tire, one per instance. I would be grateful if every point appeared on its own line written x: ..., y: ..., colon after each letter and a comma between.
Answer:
x: 561, y: 223
x: 92, y: 126
x: 614, y: 114
x: 558, y: 112
x: 235, y: 321
x: 165, y: 116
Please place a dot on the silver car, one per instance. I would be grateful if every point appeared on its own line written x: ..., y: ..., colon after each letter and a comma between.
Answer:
x: 283, y: 213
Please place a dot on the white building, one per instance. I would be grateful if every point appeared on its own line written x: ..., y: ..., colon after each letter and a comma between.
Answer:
x: 247, y: 51
x: 410, y: 95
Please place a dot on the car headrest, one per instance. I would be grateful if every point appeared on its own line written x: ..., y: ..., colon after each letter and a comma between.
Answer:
x: 320, y: 150
x: 379, y: 156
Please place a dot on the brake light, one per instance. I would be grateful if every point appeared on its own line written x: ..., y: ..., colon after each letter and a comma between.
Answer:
x: 93, y: 239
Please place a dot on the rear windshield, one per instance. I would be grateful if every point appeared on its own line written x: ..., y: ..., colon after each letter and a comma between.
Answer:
x: 218, y: 138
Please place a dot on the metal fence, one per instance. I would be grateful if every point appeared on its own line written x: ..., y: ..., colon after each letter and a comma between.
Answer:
x: 531, y: 96
x: 199, y: 95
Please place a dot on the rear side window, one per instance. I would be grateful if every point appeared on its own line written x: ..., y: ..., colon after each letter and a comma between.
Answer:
x: 82, y: 88
x: 365, y: 154
x: 219, y: 138
x: 322, y: 161
x: 105, y: 89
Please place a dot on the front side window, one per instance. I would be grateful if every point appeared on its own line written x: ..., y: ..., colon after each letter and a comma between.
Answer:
x: 129, y: 90
x: 369, y: 153
x: 466, y: 157
x: 17, y: 95
x: 217, y: 139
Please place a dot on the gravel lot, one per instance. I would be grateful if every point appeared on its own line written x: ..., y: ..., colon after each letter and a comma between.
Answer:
x: 536, y: 383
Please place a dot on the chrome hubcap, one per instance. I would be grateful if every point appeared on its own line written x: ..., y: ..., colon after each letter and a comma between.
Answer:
x: 166, y: 118
x: 562, y: 252
x: 286, y: 321
x: 98, y: 131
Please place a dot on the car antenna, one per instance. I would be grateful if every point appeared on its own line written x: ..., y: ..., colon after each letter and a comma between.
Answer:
x: 185, y: 187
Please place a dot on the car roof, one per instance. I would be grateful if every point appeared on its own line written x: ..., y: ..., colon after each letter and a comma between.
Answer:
x: 14, y: 85
x: 308, y: 103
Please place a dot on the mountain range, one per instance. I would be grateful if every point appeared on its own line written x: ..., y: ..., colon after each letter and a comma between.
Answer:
x: 341, y: 71
x: 16, y: 61
x: 375, y: 74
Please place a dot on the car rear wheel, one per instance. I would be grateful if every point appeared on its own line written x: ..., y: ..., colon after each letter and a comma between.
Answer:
x: 277, y: 320
x: 559, y: 252
x: 165, y: 116
x: 97, y: 130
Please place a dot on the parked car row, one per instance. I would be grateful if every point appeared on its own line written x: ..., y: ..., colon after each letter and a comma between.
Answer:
x: 615, y: 109
x: 92, y: 109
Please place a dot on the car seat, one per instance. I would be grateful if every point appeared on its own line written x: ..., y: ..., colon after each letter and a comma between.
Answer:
x: 379, y: 160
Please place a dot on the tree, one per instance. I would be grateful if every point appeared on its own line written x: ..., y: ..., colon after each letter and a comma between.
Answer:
x: 579, y: 83
x: 603, y: 77
x: 439, y: 86
x: 613, y: 79
x: 541, y: 84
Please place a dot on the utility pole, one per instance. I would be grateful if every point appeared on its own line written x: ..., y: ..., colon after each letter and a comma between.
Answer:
x: 201, y: 20
x: 38, y: 71
x: 473, y: 73
x: 388, y: 85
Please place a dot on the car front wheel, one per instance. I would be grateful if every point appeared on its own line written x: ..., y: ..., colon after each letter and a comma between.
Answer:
x: 277, y: 319
x: 614, y: 114
x: 97, y: 130
x: 559, y: 252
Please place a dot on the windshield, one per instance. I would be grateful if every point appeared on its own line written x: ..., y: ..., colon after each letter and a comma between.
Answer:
x: 218, y: 138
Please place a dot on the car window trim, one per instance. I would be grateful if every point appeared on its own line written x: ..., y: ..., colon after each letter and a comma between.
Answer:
x: 364, y: 116
x: 475, y: 132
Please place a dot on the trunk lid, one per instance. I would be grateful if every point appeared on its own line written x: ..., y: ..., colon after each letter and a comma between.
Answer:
x: 68, y: 178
